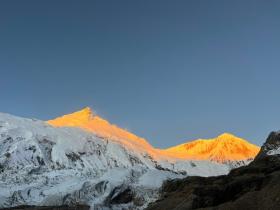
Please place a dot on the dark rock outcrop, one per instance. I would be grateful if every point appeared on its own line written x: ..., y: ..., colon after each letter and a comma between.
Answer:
x: 256, y: 186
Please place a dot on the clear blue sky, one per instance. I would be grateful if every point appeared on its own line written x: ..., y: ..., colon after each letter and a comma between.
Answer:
x: 169, y: 71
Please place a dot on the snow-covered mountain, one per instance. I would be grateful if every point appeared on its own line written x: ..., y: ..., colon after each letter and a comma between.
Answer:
x: 226, y: 148
x: 83, y: 159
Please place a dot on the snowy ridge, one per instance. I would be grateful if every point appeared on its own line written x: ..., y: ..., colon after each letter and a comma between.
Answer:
x: 45, y: 165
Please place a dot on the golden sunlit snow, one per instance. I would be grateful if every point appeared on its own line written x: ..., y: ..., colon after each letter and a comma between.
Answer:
x: 225, y: 147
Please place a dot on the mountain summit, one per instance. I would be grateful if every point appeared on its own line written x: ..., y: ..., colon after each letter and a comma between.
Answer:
x: 225, y: 147
x: 76, y: 118
x: 88, y: 120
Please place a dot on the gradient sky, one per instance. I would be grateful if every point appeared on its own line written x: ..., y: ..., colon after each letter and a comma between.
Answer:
x: 169, y: 71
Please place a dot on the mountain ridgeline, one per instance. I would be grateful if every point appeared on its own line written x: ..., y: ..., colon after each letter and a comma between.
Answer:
x: 225, y: 148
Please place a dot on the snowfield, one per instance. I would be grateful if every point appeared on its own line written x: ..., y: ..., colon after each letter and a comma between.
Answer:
x: 45, y: 165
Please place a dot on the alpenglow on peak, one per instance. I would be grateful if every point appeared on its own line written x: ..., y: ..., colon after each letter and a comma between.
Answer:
x: 86, y: 119
x: 223, y: 148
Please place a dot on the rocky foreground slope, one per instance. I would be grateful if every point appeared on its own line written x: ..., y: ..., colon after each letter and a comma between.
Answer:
x: 256, y: 186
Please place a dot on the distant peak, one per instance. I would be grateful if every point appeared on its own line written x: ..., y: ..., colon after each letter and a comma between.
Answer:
x: 225, y: 147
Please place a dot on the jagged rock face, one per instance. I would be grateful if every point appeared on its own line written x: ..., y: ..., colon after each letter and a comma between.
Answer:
x: 256, y: 186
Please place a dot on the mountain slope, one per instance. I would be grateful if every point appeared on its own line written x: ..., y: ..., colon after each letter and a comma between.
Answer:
x: 222, y: 149
x: 45, y: 165
x: 251, y: 187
